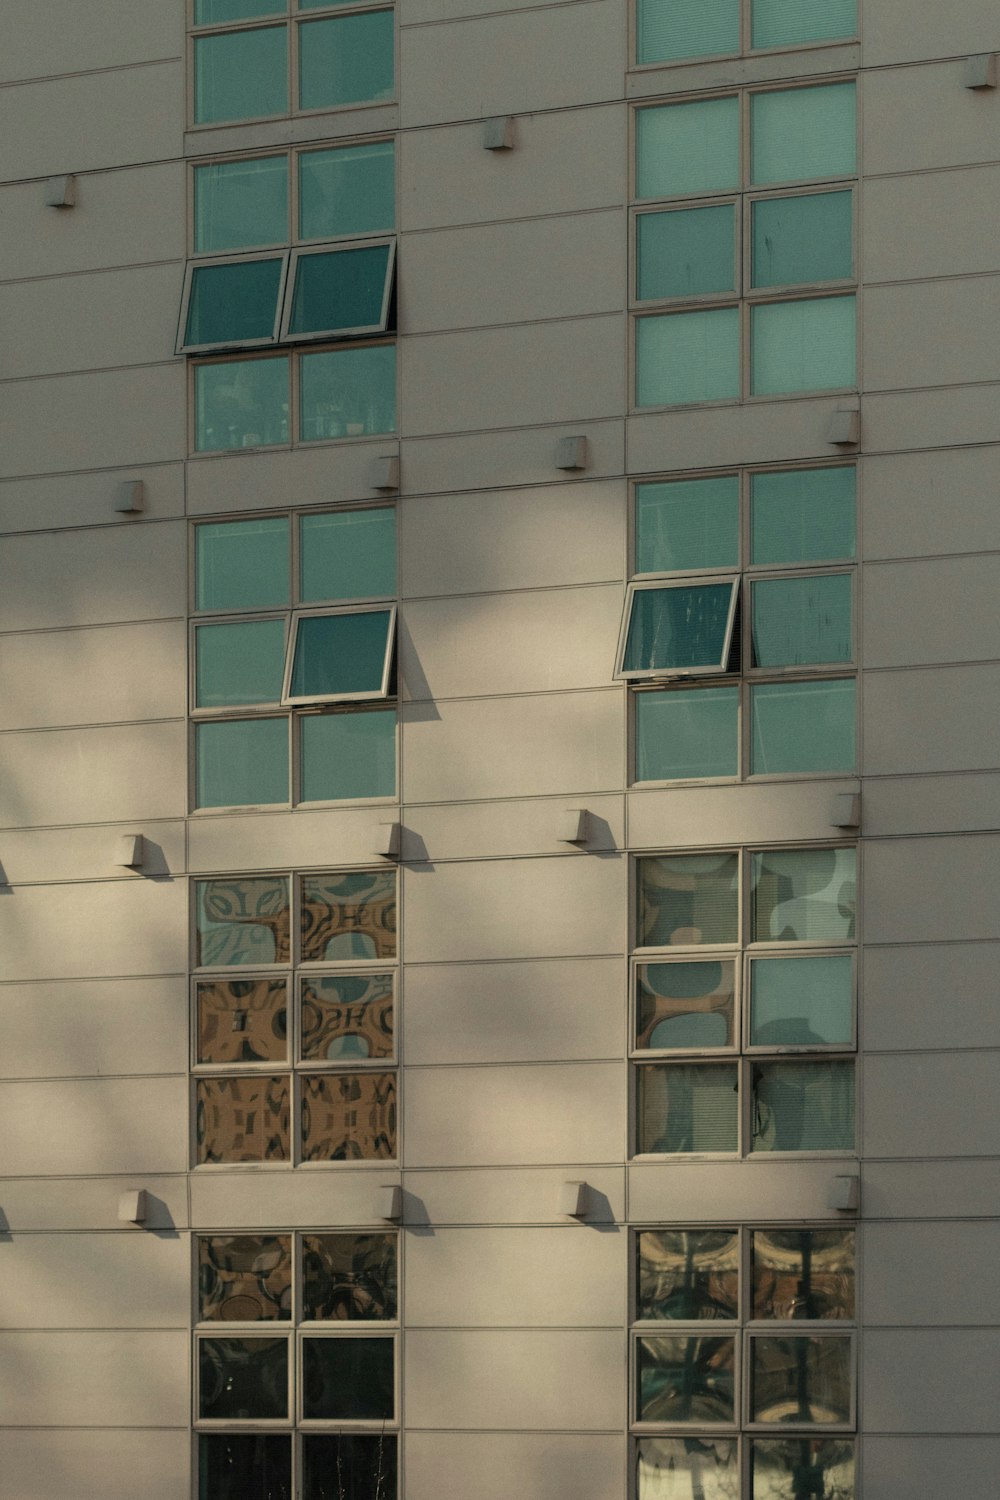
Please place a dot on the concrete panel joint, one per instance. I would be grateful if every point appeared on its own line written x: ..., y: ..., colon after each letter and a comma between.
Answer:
x: 571, y: 453
x: 844, y: 429
x: 383, y: 473
x: 574, y: 1200
x: 844, y: 1193
x: 60, y: 192
x: 130, y: 496
x: 980, y: 71
x: 574, y: 827
x: 132, y: 1206
x: 498, y: 133
x: 131, y: 851
x: 845, y: 810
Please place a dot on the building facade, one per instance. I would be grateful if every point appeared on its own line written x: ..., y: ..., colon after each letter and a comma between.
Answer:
x: 499, y: 539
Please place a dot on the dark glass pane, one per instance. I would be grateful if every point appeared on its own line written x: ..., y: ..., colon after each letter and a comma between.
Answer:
x: 688, y: 1107
x: 687, y: 1468
x: 688, y: 898
x: 685, y: 1005
x: 243, y: 1378
x: 242, y: 564
x: 350, y: 914
x: 348, y: 1277
x: 688, y: 1273
x: 802, y: 895
x: 349, y: 1117
x: 340, y: 654
x: 244, y: 1466
x: 802, y: 239
x: 233, y: 304
x: 803, y: 1273
x: 348, y: 1379
x: 803, y: 1106
x: 340, y: 291
x: 803, y: 1378
x: 243, y: 1021
x: 349, y: 1466
x: 685, y: 252
x: 793, y: 1468
x: 346, y: 60
x: 346, y: 1017
x: 679, y: 628
x: 243, y: 921
x: 244, y: 1278
x: 789, y: 23
x: 242, y: 1119
x: 685, y: 1379
x: 797, y: 621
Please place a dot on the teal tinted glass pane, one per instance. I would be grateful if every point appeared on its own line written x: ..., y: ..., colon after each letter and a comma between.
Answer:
x: 242, y: 921
x: 347, y: 554
x: 694, y: 732
x: 678, y: 629
x: 348, y: 755
x: 795, y: 621
x: 803, y: 895
x: 786, y: 23
x: 340, y: 291
x: 688, y: 1107
x: 685, y: 252
x: 808, y: 238
x: 241, y: 762
x: 233, y: 304
x: 240, y: 75
x: 667, y: 30
x: 802, y: 726
x: 704, y: 1466
x: 685, y: 1005
x: 213, y: 12
x: 800, y: 133
x: 242, y: 564
x: 241, y: 403
x: 686, y: 357
x: 239, y: 663
x: 340, y: 654
x: 687, y: 148
x: 347, y: 190
x: 803, y: 1106
x: 687, y: 899
x: 802, y: 346
x: 687, y: 523
x: 241, y: 203
x: 347, y: 392
x: 346, y: 60
x: 802, y: 1002
x: 777, y: 1467
x: 803, y: 515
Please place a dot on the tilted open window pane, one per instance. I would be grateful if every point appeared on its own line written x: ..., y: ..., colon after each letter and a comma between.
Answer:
x: 686, y: 357
x: 688, y: 149
x: 803, y: 895
x: 797, y: 134
x: 686, y: 733
x: 678, y: 628
x: 686, y: 1466
x: 348, y: 1379
x: 243, y: 1379
x: 244, y: 1466
x: 239, y: 663
x: 802, y: 239
x: 787, y: 23
x: 802, y: 1002
x: 339, y: 292
x: 686, y: 524
x: 347, y: 554
x: 802, y: 515
x: 241, y: 75
x: 241, y: 403
x: 690, y: 1004
x: 802, y: 726
x: 244, y: 1278
x: 799, y: 621
x: 668, y: 30
x: 687, y: 899
x: 240, y: 204
x: 688, y: 1107
x: 685, y: 252
x: 690, y: 1379
x: 349, y: 1277
x: 803, y: 1106
x: 241, y: 762
x: 347, y: 392
x: 362, y: 1465
x: 233, y: 302
x: 803, y: 346
x: 348, y: 755
x: 347, y: 1017
x: 347, y: 190
x: 801, y: 1378
x: 346, y: 60
x: 803, y: 1273
x: 348, y: 914
x: 778, y: 1467
x: 687, y: 1274
x: 242, y: 922
x: 338, y: 656
x: 242, y: 1021
x: 242, y: 564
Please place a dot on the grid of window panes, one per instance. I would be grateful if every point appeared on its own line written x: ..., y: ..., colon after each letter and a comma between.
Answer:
x: 743, y: 1013
x: 744, y: 245
x: 292, y: 658
x: 254, y: 59
x: 738, y: 633
x: 743, y: 1363
x: 295, y: 1365
x: 294, y: 1017
x: 675, y: 30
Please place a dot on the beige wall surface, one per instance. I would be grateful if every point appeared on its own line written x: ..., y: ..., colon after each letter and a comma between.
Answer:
x: 77, y: 1464
x: 494, y: 1465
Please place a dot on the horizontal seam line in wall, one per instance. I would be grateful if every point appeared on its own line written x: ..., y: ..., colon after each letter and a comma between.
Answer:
x: 485, y: 15
x: 423, y: 963
x: 91, y: 826
x: 95, y: 624
x: 102, y: 724
x: 927, y: 557
x: 94, y: 1426
x: 126, y: 67
x: 976, y: 1048
x: 97, y: 978
x: 931, y: 278
x: 933, y: 171
x: 95, y: 526
x: 524, y: 1062
x: 537, y: 218
x: 137, y: 265
x: 947, y: 386
x: 958, y: 771
x: 98, y: 1078
x: 531, y: 588
x: 869, y: 1160
x: 95, y: 1327
x: 931, y: 666
x: 603, y: 687
x: 416, y: 804
x: 599, y: 315
x: 142, y: 364
x: 933, y: 942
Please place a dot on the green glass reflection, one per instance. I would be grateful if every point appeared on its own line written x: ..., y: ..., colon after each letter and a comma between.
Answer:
x: 789, y: 23
x: 346, y: 60
x: 685, y: 252
x: 214, y: 12
x: 336, y: 655
x: 802, y: 1002
x: 242, y: 921
x: 348, y: 1466
x: 239, y: 662
x: 233, y: 304
x: 240, y: 204
x: 802, y: 726
x: 687, y: 523
x: 803, y: 133
x: 688, y: 148
x: 241, y: 75
x: 803, y: 239
x: 803, y: 895
x: 242, y: 564
x: 668, y: 30
x: 803, y: 1378
x: 803, y: 1106
x: 347, y: 190
x: 243, y: 1378
x: 241, y: 762
x: 699, y: 1466
x: 241, y: 403
x: 693, y: 732
x: 685, y: 1004
x: 348, y: 392
x: 348, y: 1379
x: 803, y: 515
x: 794, y: 621
x: 688, y: 357
x: 681, y: 628
x: 688, y: 1107
x: 686, y: 899
x: 802, y: 346
x: 244, y: 1466
x: 802, y: 1273
x: 687, y: 1274
x: 780, y: 1469
x: 347, y: 554
x: 685, y: 1379
x: 348, y: 755
x: 339, y: 291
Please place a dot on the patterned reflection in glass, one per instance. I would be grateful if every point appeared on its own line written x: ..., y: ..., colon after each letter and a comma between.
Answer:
x: 243, y: 1379
x: 243, y: 1119
x: 687, y: 1274
x: 347, y: 1016
x: 349, y: 1117
x: 687, y: 1468
x: 243, y: 921
x: 685, y: 1004
x: 803, y: 1273
x: 686, y: 1379
x: 803, y: 895
x: 348, y: 1277
x: 803, y: 1379
x: 790, y: 1468
x: 348, y: 916
x: 243, y: 1021
x: 688, y: 899
x: 244, y: 1278
x: 688, y: 1107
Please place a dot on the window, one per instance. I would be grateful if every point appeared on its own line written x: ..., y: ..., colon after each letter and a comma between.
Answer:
x: 295, y: 1365
x: 743, y: 1016
x: 674, y: 30
x: 294, y: 1017
x: 259, y: 58
x: 738, y: 634
x: 760, y: 1405
x: 295, y: 613
x: 744, y: 245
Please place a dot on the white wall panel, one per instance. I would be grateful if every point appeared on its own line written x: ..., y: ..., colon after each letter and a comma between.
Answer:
x: 47, y: 855
x: 247, y: 841
x: 921, y: 487
x: 343, y: 1196
x: 930, y: 719
x: 85, y: 775
x: 953, y: 209
x: 88, y: 499
x: 938, y: 889
x: 495, y: 1466
x: 958, y: 1389
x: 524, y: 456
x: 919, y: 117
x: 730, y: 1191
x: 95, y: 1125
x: 897, y: 1468
x: 711, y: 436
x: 52, y: 678
x: 93, y: 577
x: 76, y: 1464
x: 908, y: 623
x: 931, y: 1104
x: 95, y: 1281
x: 477, y: 830
x: 320, y: 473
x: 100, y: 35
x: 923, y: 420
x: 931, y: 804
x: 68, y: 1203
x: 931, y: 996
x: 918, y: 1275
x: 931, y: 333
x: 749, y: 813
x: 897, y: 31
x: 508, y: 1195
x: 931, y: 1189
x: 85, y: 1028
x: 99, y: 928
x: 88, y: 1379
